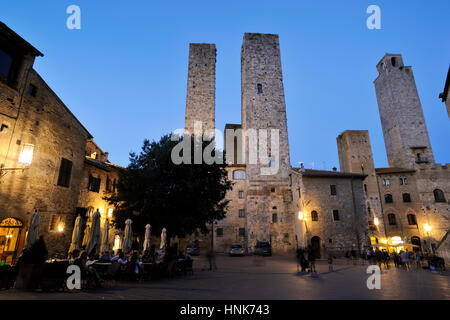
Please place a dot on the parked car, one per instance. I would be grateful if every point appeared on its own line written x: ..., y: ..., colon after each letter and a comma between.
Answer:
x: 263, y: 249
x: 192, y: 249
x: 236, y: 250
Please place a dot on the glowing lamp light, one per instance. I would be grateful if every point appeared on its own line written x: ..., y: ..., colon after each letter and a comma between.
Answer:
x: 376, y: 221
x: 60, y: 228
x: 427, y: 227
x: 300, y: 215
x: 26, y: 156
x: 397, y: 240
x: 109, y: 214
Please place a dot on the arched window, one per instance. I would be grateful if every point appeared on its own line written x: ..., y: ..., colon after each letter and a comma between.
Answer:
x: 439, y: 195
x: 238, y: 174
x: 393, y: 61
x: 412, y: 221
x: 314, y: 216
x: 388, y: 198
x: 391, y: 219
x: 406, y: 197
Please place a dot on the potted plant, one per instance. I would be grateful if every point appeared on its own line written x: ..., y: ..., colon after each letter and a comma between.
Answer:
x: 31, y: 265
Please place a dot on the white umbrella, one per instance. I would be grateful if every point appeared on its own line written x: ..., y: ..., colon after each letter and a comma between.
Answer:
x: 76, y: 234
x: 105, y: 241
x: 94, y: 234
x: 147, y: 237
x: 163, y: 239
x: 128, y: 237
x: 32, y: 229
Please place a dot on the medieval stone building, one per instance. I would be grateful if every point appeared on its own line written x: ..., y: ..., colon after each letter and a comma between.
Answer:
x: 43, y: 163
x: 402, y: 206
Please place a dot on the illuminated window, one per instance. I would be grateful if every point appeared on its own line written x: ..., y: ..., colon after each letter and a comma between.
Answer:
x: 54, y: 220
x: 26, y: 156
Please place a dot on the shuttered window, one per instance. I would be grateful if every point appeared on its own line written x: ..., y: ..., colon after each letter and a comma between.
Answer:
x: 65, y: 170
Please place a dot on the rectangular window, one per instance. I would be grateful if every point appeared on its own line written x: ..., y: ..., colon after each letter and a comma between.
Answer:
x: 5, y: 64
x: 336, y: 215
x: 219, y: 232
x: 241, y: 213
x: 108, y: 184
x: 94, y: 183
x: 241, y: 194
x: 32, y: 90
x: 274, y: 218
x: 65, y: 170
x: 259, y: 86
x: 241, y: 232
x: 386, y: 182
x: 333, y: 189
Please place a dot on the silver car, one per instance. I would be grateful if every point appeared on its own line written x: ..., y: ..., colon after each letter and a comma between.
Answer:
x: 236, y: 250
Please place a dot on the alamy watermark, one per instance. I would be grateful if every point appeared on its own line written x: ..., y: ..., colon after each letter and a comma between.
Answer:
x: 374, y: 280
x: 74, y: 20
x: 240, y: 144
x: 374, y: 20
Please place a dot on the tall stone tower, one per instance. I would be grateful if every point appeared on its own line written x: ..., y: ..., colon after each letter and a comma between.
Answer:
x: 264, y: 109
x: 355, y: 155
x: 405, y: 133
x: 201, y: 86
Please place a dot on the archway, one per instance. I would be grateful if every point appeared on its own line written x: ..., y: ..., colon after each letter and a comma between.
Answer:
x: 315, y: 243
x: 416, y: 241
x: 12, y: 238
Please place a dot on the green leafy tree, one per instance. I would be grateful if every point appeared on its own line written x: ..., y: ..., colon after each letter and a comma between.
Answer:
x: 183, y: 198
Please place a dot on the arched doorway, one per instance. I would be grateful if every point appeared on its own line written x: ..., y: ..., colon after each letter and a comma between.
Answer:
x: 315, y: 243
x: 416, y: 241
x: 12, y: 238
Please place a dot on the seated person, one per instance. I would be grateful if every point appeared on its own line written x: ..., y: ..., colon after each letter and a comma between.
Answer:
x: 117, y: 255
x: 147, y: 257
x: 87, y: 271
x: 134, y: 268
x: 105, y: 257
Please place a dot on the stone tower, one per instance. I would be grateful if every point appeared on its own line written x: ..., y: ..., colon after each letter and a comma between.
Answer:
x: 200, y: 98
x: 355, y: 155
x: 405, y: 133
x: 264, y: 109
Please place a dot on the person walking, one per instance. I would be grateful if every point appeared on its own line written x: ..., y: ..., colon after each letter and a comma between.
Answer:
x: 211, y: 255
x: 330, y: 263
x: 312, y: 258
x: 419, y: 259
x: 301, y: 259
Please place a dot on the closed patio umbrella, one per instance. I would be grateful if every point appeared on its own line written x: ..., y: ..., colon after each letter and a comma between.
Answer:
x: 94, y: 234
x: 87, y: 230
x: 128, y: 237
x: 163, y: 239
x: 147, y: 237
x: 76, y: 234
x: 32, y: 229
x: 105, y: 238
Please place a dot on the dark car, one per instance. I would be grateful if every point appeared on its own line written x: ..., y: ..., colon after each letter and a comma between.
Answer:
x: 192, y: 249
x: 263, y: 248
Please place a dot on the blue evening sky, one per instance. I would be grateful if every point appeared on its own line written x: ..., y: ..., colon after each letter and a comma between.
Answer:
x: 124, y: 73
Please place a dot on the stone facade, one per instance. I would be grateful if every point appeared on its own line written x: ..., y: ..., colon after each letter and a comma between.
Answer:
x: 413, y: 193
x: 42, y: 153
x: 201, y: 86
x: 404, y: 129
x: 264, y: 207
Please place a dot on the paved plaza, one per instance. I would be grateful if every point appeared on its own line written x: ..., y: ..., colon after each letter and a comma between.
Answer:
x: 274, y: 277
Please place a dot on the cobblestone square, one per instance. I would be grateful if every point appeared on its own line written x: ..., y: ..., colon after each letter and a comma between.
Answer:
x: 268, y: 278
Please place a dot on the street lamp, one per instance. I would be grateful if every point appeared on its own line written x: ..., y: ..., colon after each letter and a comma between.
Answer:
x: 376, y: 221
x: 427, y: 228
x: 300, y: 216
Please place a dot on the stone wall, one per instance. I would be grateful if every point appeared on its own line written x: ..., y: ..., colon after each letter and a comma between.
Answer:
x: 401, y: 114
x: 44, y: 122
x: 313, y: 193
x: 200, y: 98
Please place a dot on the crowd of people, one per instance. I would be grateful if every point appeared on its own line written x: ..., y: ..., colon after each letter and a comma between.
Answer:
x: 121, y: 266
x: 306, y: 259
